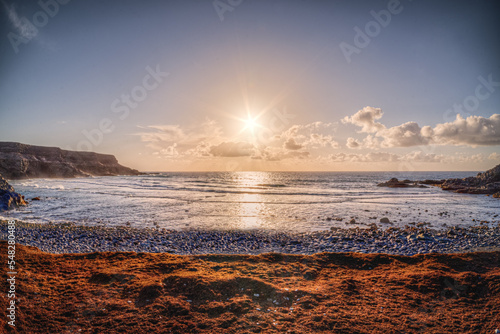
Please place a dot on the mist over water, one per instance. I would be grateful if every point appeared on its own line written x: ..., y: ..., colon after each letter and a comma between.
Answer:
x: 285, y: 201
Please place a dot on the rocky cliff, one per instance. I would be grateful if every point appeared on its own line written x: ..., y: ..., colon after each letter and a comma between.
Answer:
x: 20, y: 161
x: 484, y: 183
x: 9, y: 199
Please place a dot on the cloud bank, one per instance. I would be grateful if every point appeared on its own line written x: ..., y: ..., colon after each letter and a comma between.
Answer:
x: 319, y: 143
x: 470, y: 131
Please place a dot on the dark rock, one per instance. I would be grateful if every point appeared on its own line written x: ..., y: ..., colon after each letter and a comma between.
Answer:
x: 395, y: 183
x: 35, y: 199
x: 20, y: 161
x: 9, y: 199
x: 392, y: 183
x: 385, y: 220
x: 431, y: 182
x: 484, y: 183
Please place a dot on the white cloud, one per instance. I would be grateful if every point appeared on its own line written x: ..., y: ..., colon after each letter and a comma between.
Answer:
x: 201, y: 150
x: 207, y: 140
x: 366, y: 119
x: 476, y: 158
x: 369, y: 157
x: 404, y: 135
x: 309, y: 136
x: 315, y: 141
x: 161, y: 137
x: 369, y: 142
x: 290, y: 144
x: 494, y: 156
x: 473, y: 130
x: 353, y: 143
x: 293, y: 132
x: 167, y: 133
x: 416, y: 156
x: 419, y: 156
x: 232, y: 149
x: 470, y: 131
x: 318, y: 140
x: 170, y: 151
x: 275, y: 154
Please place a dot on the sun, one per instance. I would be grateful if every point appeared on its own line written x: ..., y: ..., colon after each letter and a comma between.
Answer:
x: 250, y: 123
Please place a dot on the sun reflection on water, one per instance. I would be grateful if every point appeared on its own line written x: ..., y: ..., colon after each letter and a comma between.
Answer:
x: 252, y: 209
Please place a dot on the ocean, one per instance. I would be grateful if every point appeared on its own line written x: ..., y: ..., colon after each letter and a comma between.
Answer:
x: 284, y: 201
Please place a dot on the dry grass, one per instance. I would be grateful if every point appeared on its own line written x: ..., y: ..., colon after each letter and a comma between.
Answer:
x: 271, y: 293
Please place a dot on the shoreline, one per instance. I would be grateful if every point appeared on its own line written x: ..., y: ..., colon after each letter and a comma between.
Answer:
x: 408, y: 240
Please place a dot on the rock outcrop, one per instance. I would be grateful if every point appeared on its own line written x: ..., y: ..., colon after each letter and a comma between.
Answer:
x: 20, y: 161
x: 9, y: 199
x: 395, y: 183
x: 484, y: 183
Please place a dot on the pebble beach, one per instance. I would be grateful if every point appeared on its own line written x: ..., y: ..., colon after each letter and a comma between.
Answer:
x: 407, y: 240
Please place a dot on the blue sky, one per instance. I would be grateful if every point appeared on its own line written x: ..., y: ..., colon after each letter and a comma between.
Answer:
x: 391, y: 105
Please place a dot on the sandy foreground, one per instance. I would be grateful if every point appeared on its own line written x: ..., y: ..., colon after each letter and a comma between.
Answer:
x: 127, y: 292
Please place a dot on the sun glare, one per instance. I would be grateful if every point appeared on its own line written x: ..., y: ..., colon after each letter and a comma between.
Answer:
x: 250, y: 124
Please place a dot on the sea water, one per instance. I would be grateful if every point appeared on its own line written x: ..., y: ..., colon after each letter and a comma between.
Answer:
x: 287, y: 201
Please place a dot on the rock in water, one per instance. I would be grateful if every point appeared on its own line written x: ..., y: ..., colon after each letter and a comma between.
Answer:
x: 20, y: 161
x: 395, y: 183
x: 9, y: 199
